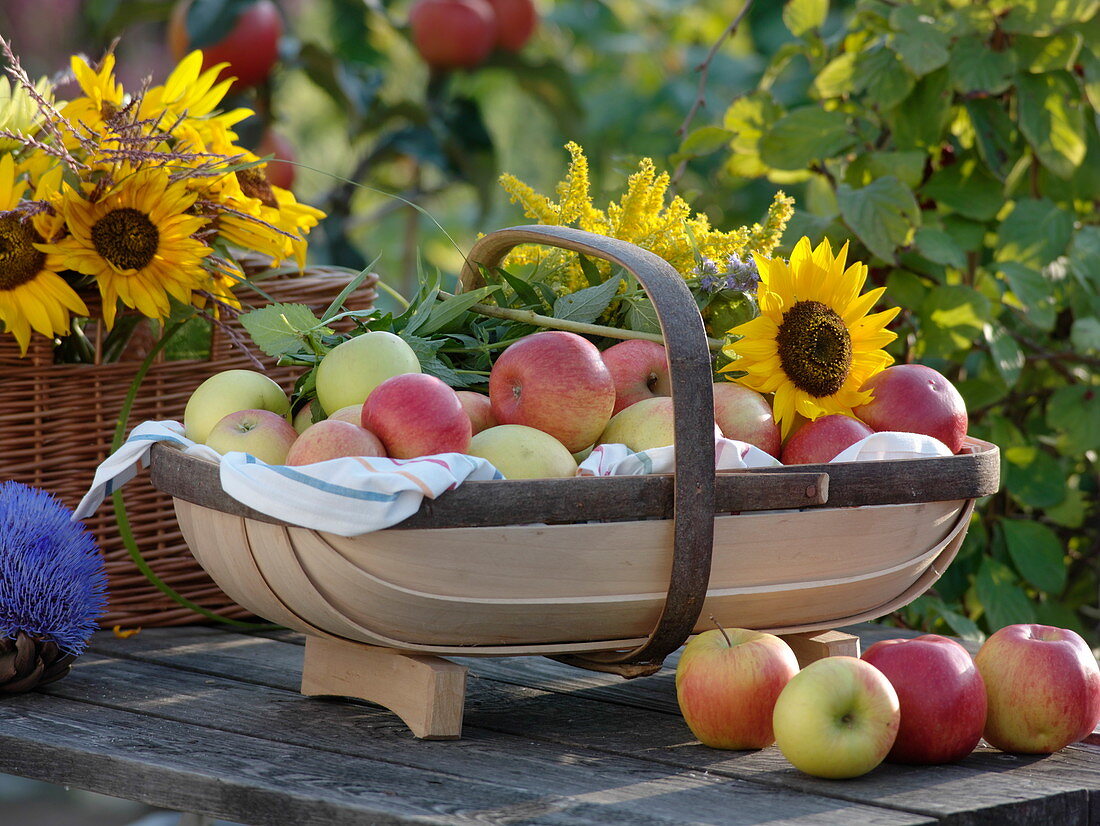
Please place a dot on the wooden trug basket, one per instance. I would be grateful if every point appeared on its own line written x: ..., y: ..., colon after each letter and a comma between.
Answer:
x: 607, y: 573
x: 56, y: 426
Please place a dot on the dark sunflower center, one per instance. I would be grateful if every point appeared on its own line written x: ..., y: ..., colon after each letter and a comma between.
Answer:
x: 20, y: 262
x: 126, y: 238
x: 254, y: 184
x: 815, y: 348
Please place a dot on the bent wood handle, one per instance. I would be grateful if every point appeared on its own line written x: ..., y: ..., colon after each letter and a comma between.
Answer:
x: 691, y: 376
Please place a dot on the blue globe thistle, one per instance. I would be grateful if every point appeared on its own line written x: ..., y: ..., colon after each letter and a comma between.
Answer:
x: 53, y: 586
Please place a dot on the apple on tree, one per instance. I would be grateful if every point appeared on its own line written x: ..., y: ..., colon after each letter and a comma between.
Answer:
x: 453, y: 34
x: 820, y: 440
x: 521, y: 452
x: 352, y: 369
x: 941, y: 694
x: 227, y: 392
x: 415, y: 414
x: 836, y: 718
x: 727, y: 682
x: 250, y: 47
x: 639, y: 369
x: 266, y: 435
x: 333, y: 439
x: 516, y: 21
x: 1043, y: 686
x: 745, y: 415
x: 912, y: 398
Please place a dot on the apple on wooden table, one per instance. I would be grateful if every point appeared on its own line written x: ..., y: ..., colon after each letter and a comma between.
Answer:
x: 639, y: 369
x: 266, y: 435
x: 415, y: 414
x: 521, y: 452
x: 1043, y: 686
x: 745, y: 415
x: 913, y: 398
x: 727, y: 682
x: 352, y: 369
x: 941, y: 693
x: 333, y: 439
x: 820, y: 440
x: 836, y: 718
x: 227, y: 392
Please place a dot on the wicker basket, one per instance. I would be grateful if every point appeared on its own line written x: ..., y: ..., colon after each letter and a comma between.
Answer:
x: 57, y: 422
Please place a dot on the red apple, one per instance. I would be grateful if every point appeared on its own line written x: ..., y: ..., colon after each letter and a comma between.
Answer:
x: 332, y: 439
x: 912, y: 398
x: 727, y: 683
x: 555, y: 382
x: 453, y: 34
x: 822, y: 439
x: 941, y: 693
x: 743, y: 414
x: 516, y: 20
x: 265, y: 435
x: 478, y: 408
x: 415, y: 414
x: 251, y: 47
x: 1043, y: 687
x: 278, y: 172
x: 639, y: 369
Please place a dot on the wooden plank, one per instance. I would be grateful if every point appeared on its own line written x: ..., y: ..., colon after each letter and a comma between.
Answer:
x: 554, y: 784
x: 586, y: 710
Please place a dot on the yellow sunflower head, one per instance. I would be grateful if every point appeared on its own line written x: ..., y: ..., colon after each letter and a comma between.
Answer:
x: 813, y: 345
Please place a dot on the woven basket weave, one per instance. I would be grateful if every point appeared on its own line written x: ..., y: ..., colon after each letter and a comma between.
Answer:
x: 57, y: 422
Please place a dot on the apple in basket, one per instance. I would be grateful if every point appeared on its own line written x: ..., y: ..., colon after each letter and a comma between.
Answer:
x: 266, y: 435
x: 478, y: 408
x: 333, y: 439
x: 836, y: 718
x: 351, y: 370
x: 227, y: 392
x: 555, y: 382
x: 1043, y: 686
x: 912, y: 398
x: 727, y: 682
x: 822, y: 439
x: 521, y: 452
x: 644, y: 425
x: 942, y: 697
x: 415, y: 414
x: 745, y: 415
x: 639, y: 369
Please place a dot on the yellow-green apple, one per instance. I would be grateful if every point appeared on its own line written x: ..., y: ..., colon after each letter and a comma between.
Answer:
x: 556, y: 382
x: 745, y: 415
x: 302, y: 419
x: 941, y: 693
x: 644, y: 425
x: 521, y: 452
x: 227, y: 392
x: 332, y: 439
x: 266, y: 435
x: 837, y: 718
x: 352, y: 369
x: 351, y: 413
x: 1043, y: 687
x: 822, y: 439
x: 415, y: 414
x: 912, y: 398
x: 478, y: 408
x: 639, y: 369
x: 727, y: 682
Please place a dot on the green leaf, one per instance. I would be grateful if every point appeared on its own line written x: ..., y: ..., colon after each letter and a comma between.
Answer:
x: 905, y: 289
x: 883, y: 214
x: 961, y: 625
x: 967, y: 188
x: 588, y: 304
x: 1084, y: 256
x: 1072, y: 511
x: 1048, y: 54
x: 353, y: 285
x: 453, y: 308
x: 837, y: 78
x: 920, y: 44
x: 803, y: 16
x: 1090, y: 65
x: 938, y: 246
x: 1035, y: 233
x: 1007, y: 356
x: 703, y: 141
x: 1033, y: 476
x: 528, y: 298
x: 805, y: 135
x: 1030, y: 293
x: 1085, y: 335
x: 1074, y: 412
x: 908, y: 167
x: 282, y: 329
x: 641, y: 315
x: 955, y: 317
x: 1051, y: 121
x: 976, y: 68
x: 1042, y: 17
x: 880, y: 73
x: 1004, y: 601
x: 1037, y: 553
x: 919, y: 121
x: 995, y: 135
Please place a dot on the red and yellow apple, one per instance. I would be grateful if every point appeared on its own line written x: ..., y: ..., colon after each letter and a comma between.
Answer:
x: 745, y: 415
x: 555, y: 382
x: 941, y: 693
x: 1043, y: 686
x: 266, y: 435
x: 352, y: 369
x: 453, y: 34
x: 351, y: 413
x: 727, y: 682
x: 521, y: 452
x: 415, y: 414
x: 227, y: 392
x: 912, y: 398
x: 836, y: 718
x: 516, y: 21
x: 478, y: 408
x: 822, y: 439
x: 333, y: 439
x: 642, y: 426
x: 639, y: 369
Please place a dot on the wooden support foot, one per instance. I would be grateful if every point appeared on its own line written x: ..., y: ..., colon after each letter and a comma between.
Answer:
x: 815, y: 645
x: 426, y: 692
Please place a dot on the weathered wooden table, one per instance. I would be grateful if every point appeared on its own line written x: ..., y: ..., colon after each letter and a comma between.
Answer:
x: 208, y: 721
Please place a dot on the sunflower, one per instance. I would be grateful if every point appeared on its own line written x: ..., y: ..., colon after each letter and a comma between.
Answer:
x: 136, y: 241
x: 813, y: 344
x: 32, y: 294
x: 102, y: 100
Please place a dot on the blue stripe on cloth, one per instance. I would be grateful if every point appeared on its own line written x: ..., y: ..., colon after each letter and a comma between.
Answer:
x: 157, y: 437
x: 324, y: 487
x: 647, y: 463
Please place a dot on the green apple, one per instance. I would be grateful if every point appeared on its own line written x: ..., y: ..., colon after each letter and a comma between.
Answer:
x: 348, y: 373
x: 644, y: 425
x: 837, y: 718
x: 303, y: 419
x: 227, y: 392
x: 521, y: 452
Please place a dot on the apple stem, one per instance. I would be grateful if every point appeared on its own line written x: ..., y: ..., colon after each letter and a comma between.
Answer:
x: 717, y: 625
x: 528, y: 317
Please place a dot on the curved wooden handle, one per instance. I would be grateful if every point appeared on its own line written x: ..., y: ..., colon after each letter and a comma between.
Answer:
x: 691, y: 376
